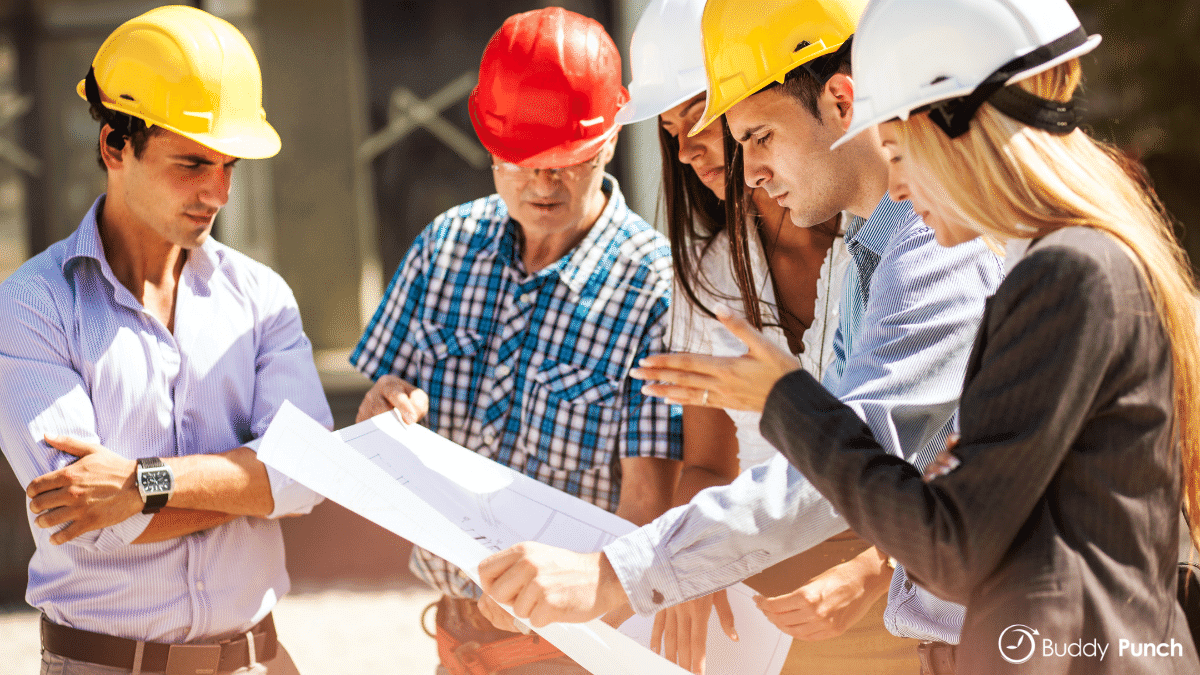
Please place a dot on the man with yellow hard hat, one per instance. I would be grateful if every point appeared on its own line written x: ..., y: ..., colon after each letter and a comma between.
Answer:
x: 781, y: 77
x: 513, y: 321
x: 139, y: 361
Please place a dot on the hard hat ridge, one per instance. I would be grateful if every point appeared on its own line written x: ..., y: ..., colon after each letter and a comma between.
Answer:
x: 948, y: 57
x: 746, y: 51
x: 187, y: 71
x: 666, y: 57
x: 549, y: 89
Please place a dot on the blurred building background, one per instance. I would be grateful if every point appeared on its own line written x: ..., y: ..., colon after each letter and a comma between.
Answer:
x: 369, y: 98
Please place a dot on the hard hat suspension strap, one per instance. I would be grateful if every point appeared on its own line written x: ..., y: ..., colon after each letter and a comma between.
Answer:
x: 824, y: 67
x: 1055, y: 117
x: 954, y: 115
x: 123, y: 125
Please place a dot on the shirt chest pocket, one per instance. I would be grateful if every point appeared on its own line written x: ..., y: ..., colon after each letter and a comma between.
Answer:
x: 573, y: 419
x: 578, y: 386
x: 435, y: 342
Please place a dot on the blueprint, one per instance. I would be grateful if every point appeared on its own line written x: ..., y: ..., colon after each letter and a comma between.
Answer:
x: 463, y: 507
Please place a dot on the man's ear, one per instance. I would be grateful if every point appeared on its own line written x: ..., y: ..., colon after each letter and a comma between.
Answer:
x: 112, y: 157
x: 840, y: 91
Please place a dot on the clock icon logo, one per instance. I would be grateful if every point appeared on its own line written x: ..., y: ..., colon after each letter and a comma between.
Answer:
x: 1017, y: 643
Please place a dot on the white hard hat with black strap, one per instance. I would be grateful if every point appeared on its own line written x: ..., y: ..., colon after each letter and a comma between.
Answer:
x: 949, y: 57
x: 954, y: 115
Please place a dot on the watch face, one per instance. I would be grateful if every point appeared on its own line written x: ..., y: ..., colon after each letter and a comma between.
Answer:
x: 155, y: 481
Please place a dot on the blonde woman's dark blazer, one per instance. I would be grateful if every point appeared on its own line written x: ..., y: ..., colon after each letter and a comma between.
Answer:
x: 1063, y: 516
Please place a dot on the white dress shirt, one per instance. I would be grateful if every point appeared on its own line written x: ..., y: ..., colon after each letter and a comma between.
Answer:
x: 81, y: 357
x: 694, y: 331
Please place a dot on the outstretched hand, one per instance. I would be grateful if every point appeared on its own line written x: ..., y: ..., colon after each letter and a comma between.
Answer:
x: 680, y: 633
x: 735, y: 382
x: 546, y: 585
x: 833, y: 601
x: 95, y: 491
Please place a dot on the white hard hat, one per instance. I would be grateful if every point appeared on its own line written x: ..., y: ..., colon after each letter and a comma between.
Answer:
x: 909, y: 54
x: 666, y: 58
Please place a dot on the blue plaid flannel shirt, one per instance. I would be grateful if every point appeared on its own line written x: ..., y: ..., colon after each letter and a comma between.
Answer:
x: 531, y: 370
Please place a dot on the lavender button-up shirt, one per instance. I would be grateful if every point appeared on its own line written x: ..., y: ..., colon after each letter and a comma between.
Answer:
x: 80, y: 356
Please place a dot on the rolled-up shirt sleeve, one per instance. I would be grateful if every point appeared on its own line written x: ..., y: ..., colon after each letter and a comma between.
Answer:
x: 44, y: 395
x: 725, y: 534
x: 284, y: 371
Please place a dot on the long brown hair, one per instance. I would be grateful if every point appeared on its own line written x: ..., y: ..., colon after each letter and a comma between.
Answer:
x: 1027, y: 183
x: 736, y: 202
x: 694, y: 219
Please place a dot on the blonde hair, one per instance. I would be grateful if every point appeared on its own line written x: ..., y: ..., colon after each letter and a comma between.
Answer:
x: 1029, y: 183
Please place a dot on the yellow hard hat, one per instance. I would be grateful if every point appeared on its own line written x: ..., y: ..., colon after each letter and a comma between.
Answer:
x: 745, y: 50
x: 187, y: 71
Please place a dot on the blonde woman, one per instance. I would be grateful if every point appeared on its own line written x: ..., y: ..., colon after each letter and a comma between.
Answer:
x: 1056, y: 522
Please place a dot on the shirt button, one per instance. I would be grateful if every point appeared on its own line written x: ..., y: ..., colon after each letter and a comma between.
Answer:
x: 503, y: 371
x: 527, y: 298
x: 200, y: 585
x: 489, y: 436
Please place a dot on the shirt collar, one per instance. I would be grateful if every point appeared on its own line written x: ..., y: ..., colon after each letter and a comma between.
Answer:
x: 1014, y: 250
x: 85, y: 242
x: 874, y: 232
x: 577, y: 266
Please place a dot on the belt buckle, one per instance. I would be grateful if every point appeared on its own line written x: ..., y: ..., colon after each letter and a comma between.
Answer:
x: 193, y: 659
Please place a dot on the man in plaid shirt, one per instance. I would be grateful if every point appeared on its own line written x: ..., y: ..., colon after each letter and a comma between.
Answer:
x: 513, y: 320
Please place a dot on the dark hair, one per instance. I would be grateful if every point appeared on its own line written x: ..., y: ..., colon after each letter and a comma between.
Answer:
x: 736, y: 201
x: 694, y: 215
x: 123, y: 127
x: 803, y: 84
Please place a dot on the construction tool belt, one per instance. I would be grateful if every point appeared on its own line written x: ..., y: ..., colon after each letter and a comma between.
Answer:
x: 468, y: 644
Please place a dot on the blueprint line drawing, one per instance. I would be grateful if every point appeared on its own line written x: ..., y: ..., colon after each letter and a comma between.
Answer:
x: 462, y: 506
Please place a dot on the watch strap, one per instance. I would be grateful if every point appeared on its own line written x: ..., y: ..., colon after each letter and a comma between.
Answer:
x: 155, y: 503
x: 150, y: 462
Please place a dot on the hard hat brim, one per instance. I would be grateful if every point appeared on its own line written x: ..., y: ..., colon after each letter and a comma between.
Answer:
x: 715, y: 107
x: 861, y: 124
x: 257, y: 142
x: 647, y: 102
x: 550, y: 155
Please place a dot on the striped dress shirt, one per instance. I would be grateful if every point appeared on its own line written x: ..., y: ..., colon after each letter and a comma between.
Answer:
x: 531, y: 370
x: 911, y: 312
x: 81, y: 357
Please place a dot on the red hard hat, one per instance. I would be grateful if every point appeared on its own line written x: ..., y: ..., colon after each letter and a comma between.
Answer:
x: 549, y: 89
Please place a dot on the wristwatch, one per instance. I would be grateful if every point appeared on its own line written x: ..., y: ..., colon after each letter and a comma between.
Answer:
x: 155, y: 483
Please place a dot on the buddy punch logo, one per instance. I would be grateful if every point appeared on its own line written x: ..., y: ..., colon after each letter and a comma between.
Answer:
x: 1019, y: 643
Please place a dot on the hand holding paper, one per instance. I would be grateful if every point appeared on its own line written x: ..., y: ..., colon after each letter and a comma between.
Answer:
x: 547, y: 585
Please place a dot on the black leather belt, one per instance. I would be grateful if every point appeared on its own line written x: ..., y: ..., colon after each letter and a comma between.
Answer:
x: 225, y: 656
